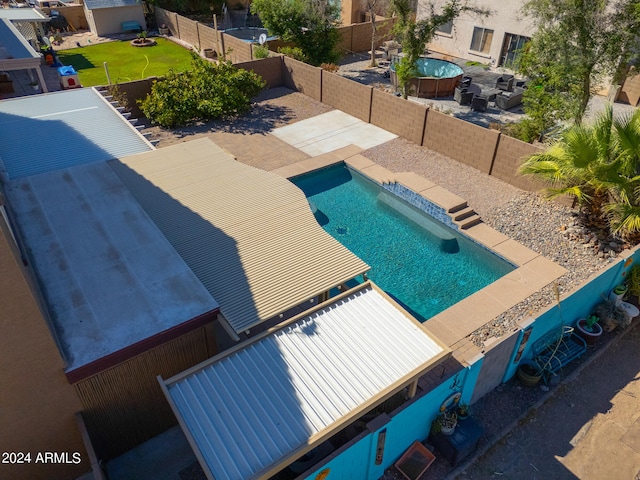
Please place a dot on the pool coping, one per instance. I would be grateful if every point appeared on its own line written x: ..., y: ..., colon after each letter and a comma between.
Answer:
x: 533, y: 271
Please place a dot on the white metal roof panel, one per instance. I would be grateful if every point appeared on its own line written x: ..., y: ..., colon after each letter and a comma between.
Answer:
x: 247, y: 234
x: 109, y: 276
x: 251, y: 412
x: 43, y: 133
x: 24, y: 15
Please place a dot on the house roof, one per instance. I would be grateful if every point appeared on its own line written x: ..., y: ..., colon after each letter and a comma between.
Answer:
x: 43, y: 133
x: 251, y: 411
x: 109, y: 276
x: 15, y: 52
x: 248, y: 235
x: 96, y: 4
x: 24, y: 15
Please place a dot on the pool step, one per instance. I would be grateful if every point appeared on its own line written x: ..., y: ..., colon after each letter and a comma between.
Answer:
x: 463, y: 214
x: 469, y: 221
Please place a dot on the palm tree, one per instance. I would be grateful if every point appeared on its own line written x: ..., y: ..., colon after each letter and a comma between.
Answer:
x: 599, y: 165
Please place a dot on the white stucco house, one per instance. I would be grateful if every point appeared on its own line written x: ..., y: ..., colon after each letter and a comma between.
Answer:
x: 493, y: 40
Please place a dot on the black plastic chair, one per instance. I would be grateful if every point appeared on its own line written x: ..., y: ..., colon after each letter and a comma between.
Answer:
x: 505, y: 82
x: 462, y: 96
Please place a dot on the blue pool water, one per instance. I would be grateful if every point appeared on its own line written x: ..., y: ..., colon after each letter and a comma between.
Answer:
x: 423, y: 264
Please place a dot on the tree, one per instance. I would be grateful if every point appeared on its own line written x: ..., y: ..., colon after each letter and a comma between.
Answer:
x: 373, y: 8
x: 414, y: 35
x: 577, y: 45
x: 599, y: 165
x: 310, y: 24
x: 204, y: 92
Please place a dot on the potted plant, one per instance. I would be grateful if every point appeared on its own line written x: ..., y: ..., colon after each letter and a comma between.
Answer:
x: 462, y: 411
x: 445, y: 423
x: 163, y: 30
x: 618, y: 293
x: 528, y: 374
x: 589, y: 329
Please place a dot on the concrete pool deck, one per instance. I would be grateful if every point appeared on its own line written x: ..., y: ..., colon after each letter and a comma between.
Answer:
x: 455, y: 324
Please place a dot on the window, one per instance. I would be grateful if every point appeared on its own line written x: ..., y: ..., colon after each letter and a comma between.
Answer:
x: 481, y: 40
x: 511, y: 48
x: 447, y: 28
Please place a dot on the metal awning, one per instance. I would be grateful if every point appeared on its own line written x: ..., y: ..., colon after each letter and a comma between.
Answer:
x: 255, y: 409
x: 248, y: 235
x: 15, y: 51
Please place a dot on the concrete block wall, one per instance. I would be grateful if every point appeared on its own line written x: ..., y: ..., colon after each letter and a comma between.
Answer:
x: 170, y: 19
x: 351, y: 97
x: 237, y: 50
x: 270, y: 69
x: 209, y: 38
x: 398, y: 116
x: 508, y: 159
x: 304, y: 78
x: 630, y: 91
x: 463, y: 141
x: 134, y: 91
x: 188, y: 31
x: 74, y: 14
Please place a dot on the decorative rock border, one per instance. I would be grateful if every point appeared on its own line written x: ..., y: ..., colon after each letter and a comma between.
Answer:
x: 139, y: 42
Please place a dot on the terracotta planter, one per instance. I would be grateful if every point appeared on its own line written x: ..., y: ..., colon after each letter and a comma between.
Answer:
x: 590, y: 337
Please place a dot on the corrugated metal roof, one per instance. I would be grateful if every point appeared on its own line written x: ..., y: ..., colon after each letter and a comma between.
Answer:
x: 247, y: 234
x: 24, y: 15
x: 253, y: 411
x: 43, y: 133
x: 13, y: 47
x: 95, y: 4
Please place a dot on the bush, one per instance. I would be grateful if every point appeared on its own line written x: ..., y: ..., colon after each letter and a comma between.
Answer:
x: 205, y: 92
x: 330, y: 67
x: 261, y: 51
x: 294, y: 52
x: 526, y: 130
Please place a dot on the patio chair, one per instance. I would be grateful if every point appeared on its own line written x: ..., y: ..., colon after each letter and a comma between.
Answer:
x: 462, y: 96
x: 466, y: 81
x: 479, y: 103
x: 505, y: 82
x: 508, y: 100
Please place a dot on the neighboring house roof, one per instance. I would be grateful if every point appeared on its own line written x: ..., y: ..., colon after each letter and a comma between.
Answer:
x: 248, y: 235
x: 43, y: 133
x: 24, y: 15
x: 109, y: 276
x: 250, y: 412
x: 15, y: 51
x: 96, y: 4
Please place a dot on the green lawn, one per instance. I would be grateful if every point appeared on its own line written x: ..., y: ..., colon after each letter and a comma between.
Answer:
x: 126, y: 63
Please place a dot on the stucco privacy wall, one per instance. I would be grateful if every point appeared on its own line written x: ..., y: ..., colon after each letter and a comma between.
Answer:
x: 237, y: 50
x: 460, y: 140
x: 303, y: 78
x: 32, y: 370
x: 351, y: 97
x: 396, y: 115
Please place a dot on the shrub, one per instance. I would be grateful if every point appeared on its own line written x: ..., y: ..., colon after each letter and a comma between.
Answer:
x: 330, y: 67
x: 261, y: 51
x: 293, y: 52
x: 205, y: 92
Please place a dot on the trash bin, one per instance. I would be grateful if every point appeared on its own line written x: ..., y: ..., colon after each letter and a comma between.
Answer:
x: 68, y: 77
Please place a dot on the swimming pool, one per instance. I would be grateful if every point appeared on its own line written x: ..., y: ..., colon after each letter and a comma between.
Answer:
x: 419, y: 261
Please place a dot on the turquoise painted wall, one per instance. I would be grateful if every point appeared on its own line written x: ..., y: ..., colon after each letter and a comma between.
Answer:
x: 406, y: 426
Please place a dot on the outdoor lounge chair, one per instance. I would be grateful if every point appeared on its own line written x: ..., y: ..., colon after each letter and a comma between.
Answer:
x: 466, y: 81
x: 462, y: 96
x: 479, y: 103
x: 508, y: 100
x: 505, y: 82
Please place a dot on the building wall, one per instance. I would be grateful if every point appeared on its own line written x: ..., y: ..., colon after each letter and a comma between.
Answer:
x: 37, y: 403
x: 74, y: 14
x: 630, y: 91
x: 124, y: 406
x: 109, y: 20
x: 505, y: 17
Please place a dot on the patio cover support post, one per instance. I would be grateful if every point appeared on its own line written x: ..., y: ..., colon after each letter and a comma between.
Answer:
x: 413, y: 388
x: 43, y: 84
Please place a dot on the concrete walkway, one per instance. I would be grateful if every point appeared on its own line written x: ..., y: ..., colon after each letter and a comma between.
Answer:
x: 588, y: 429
